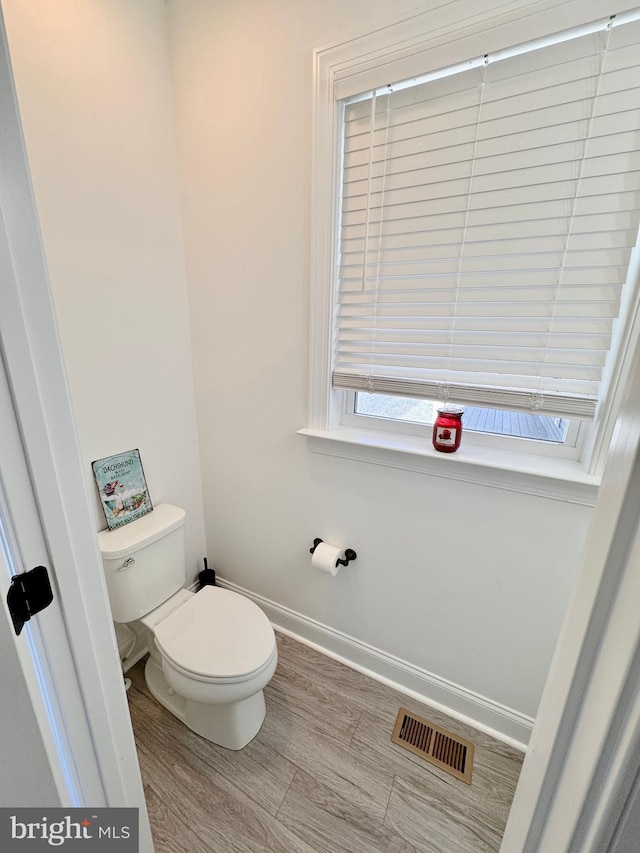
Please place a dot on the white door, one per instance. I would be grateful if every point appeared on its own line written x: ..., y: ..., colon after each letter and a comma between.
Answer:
x: 26, y: 776
x: 38, y: 769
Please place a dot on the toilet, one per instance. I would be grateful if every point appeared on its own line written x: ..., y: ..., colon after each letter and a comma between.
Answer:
x: 211, y: 653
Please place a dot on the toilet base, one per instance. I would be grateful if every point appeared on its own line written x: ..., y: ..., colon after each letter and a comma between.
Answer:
x: 231, y: 726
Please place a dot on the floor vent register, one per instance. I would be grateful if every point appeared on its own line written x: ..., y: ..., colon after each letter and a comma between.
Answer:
x: 439, y: 747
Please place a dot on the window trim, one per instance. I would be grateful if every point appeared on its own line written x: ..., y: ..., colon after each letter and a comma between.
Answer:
x: 431, y: 39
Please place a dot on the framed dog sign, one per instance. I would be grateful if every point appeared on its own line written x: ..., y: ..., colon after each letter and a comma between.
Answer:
x: 122, y: 487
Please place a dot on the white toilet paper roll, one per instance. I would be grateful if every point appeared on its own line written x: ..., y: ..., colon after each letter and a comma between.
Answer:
x: 324, y: 558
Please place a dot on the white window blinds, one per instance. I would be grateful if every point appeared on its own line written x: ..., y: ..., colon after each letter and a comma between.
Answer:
x: 487, y: 224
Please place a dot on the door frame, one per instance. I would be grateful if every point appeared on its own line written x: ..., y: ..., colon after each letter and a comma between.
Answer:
x: 36, y: 375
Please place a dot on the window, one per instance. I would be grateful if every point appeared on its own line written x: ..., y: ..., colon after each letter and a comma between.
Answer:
x: 492, y: 421
x: 484, y: 235
x: 483, y: 427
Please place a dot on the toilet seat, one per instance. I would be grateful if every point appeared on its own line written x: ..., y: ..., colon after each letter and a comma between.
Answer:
x: 217, y: 636
x: 224, y: 680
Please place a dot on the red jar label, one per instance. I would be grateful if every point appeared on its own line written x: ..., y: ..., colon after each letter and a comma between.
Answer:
x: 446, y: 436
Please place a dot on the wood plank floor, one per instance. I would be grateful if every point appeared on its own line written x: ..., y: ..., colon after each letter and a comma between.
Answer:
x: 322, y: 775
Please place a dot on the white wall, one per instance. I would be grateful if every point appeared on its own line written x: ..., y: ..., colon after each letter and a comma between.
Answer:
x: 93, y: 86
x: 467, y: 582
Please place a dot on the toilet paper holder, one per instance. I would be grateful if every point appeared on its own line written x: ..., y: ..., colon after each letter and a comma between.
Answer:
x: 349, y: 553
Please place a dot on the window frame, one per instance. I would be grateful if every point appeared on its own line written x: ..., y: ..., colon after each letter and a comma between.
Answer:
x: 436, y: 37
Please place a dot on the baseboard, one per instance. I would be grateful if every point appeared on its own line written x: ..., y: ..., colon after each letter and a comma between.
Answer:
x: 495, y: 719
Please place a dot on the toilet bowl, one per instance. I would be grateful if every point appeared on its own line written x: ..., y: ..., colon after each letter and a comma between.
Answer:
x: 212, y: 652
x: 210, y: 659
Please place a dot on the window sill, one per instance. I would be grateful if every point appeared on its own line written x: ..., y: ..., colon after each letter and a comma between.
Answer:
x: 558, y: 479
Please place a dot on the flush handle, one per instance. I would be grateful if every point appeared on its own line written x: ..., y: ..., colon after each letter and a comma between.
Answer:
x: 126, y: 565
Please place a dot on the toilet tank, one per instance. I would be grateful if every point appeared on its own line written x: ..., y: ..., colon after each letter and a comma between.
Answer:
x: 144, y: 562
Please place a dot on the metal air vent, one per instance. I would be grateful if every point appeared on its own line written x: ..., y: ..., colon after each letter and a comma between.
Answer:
x: 439, y: 747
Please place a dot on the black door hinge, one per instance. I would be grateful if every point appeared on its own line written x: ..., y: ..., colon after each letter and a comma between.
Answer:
x: 28, y: 594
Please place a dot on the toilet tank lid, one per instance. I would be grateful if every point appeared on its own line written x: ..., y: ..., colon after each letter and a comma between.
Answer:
x: 143, y: 531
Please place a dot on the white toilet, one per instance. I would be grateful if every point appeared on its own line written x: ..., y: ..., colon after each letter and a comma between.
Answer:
x: 212, y: 652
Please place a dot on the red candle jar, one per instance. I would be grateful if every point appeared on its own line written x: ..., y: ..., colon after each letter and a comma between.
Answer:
x: 447, y: 429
